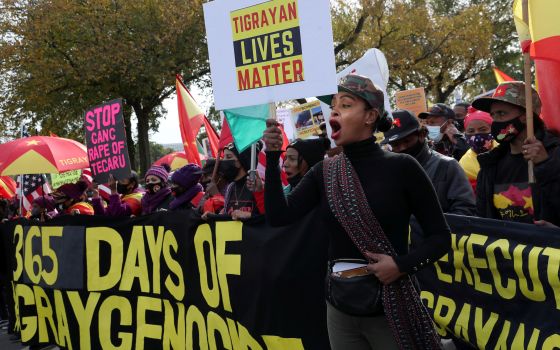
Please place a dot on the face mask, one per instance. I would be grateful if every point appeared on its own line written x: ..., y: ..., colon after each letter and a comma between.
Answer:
x: 460, y: 125
x: 230, y: 171
x: 122, y: 189
x: 434, y: 133
x: 36, y: 212
x: 505, y: 132
x: 414, y: 150
x: 294, y: 180
x: 480, y: 143
x: 154, y: 187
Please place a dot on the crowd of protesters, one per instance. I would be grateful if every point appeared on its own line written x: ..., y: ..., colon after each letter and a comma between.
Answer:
x: 474, y: 160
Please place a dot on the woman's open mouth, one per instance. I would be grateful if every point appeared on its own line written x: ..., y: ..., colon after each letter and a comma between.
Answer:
x: 335, y: 126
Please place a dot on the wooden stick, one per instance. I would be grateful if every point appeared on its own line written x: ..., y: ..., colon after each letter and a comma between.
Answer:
x: 528, y: 93
x: 272, y: 113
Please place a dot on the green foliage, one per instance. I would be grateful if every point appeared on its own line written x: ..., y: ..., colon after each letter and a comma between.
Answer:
x: 156, y: 152
x: 59, y: 57
x: 436, y: 44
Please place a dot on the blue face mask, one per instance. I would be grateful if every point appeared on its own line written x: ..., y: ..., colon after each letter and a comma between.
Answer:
x: 434, y: 133
x: 480, y: 143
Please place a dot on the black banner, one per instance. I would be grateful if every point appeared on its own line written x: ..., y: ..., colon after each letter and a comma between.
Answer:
x: 172, y: 281
x: 499, y: 287
x: 167, y: 281
x: 106, y: 141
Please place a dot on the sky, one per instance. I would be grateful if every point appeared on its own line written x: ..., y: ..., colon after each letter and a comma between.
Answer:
x: 169, y: 131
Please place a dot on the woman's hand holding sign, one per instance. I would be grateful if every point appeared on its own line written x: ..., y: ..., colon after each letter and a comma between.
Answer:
x: 272, y: 136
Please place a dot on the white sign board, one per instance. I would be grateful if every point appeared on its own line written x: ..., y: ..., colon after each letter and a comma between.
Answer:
x: 269, y: 51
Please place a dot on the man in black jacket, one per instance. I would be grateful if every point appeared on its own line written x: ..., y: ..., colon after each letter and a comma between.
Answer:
x: 503, y: 188
x: 443, y: 131
x: 454, y: 192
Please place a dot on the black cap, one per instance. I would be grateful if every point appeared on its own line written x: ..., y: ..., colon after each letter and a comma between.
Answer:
x: 245, y: 156
x: 312, y: 150
x: 404, y: 124
x: 438, y: 110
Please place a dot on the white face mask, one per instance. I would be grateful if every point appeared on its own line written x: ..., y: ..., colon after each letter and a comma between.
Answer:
x: 434, y: 133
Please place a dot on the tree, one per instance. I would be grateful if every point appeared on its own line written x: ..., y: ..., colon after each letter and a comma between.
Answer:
x: 157, y: 151
x: 59, y: 57
x: 437, y: 44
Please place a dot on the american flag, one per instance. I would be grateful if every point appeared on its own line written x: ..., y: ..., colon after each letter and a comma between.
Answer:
x: 34, y: 186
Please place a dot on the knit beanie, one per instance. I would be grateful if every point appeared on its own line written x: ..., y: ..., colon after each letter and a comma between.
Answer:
x: 245, y: 156
x: 475, y: 114
x: 187, y: 176
x: 159, y: 171
x: 73, y: 191
x: 312, y: 150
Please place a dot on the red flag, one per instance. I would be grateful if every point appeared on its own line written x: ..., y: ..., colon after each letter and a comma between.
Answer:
x: 501, y: 76
x: 548, y: 77
x: 187, y: 132
x: 212, y: 137
x: 225, y: 136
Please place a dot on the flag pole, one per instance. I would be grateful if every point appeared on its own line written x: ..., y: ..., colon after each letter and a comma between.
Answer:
x: 528, y: 91
x: 21, y: 132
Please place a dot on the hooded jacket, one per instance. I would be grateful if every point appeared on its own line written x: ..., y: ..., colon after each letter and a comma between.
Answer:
x: 546, y: 190
x: 452, y: 187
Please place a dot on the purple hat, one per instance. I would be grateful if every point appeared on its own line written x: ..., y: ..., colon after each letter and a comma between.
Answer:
x: 73, y: 191
x: 159, y: 171
x: 46, y: 202
x: 187, y: 176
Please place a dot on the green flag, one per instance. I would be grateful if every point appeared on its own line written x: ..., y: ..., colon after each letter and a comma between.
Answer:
x: 247, y: 124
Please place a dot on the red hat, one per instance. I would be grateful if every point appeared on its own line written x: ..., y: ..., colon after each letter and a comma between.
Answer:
x: 475, y: 114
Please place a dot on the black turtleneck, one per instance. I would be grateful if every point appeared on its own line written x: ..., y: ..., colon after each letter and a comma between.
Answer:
x: 395, y: 185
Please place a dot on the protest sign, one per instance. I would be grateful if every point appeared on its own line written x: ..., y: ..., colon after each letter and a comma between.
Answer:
x: 307, y: 119
x: 284, y: 117
x: 412, y: 100
x: 172, y: 281
x: 106, y: 141
x: 267, y: 51
x: 66, y: 177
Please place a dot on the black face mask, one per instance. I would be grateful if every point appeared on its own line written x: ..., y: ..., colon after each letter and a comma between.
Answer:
x: 414, y: 150
x: 294, y: 180
x: 229, y: 169
x: 505, y: 132
x: 460, y: 125
x: 151, y: 188
x: 122, y: 189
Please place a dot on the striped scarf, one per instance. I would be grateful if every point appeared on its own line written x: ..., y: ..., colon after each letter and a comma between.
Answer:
x: 408, y: 319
